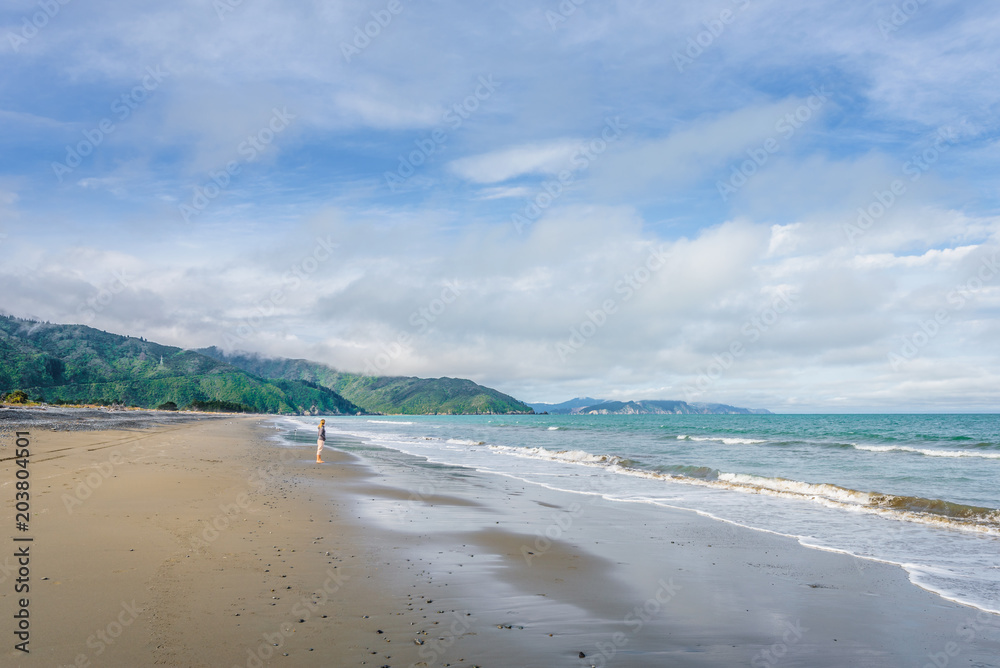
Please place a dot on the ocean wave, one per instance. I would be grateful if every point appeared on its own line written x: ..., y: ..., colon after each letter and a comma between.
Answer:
x: 927, y: 452
x: 723, y: 439
x: 388, y: 422
x: 825, y: 490
x: 569, y: 456
x: 462, y: 441
x: 701, y: 472
x: 911, y: 508
x: 553, y: 428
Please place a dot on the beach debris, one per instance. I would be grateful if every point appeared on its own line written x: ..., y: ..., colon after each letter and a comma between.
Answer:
x: 582, y: 655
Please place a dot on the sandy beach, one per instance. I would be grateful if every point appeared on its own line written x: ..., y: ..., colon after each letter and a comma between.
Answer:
x: 208, y: 543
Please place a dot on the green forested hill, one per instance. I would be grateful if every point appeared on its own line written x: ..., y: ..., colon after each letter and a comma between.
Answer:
x: 79, y: 364
x: 385, y: 394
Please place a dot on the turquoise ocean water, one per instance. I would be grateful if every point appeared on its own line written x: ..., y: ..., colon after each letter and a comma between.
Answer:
x: 921, y: 491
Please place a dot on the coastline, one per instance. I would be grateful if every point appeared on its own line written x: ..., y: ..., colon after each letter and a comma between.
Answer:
x: 210, y: 539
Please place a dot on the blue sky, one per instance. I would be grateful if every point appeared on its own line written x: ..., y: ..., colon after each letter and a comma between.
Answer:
x: 751, y: 202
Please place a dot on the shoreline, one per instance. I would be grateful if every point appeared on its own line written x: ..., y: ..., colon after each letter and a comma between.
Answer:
x: 773, y: 575
x: 955, y: 560
x: 199, y: 525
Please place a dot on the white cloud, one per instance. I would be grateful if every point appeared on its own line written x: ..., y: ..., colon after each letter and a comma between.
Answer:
x: 505, y: 192
x: 382, y: 113
x: 704, y: 146
x: 782, y: 232
x: 933, y: 258
x: 508, y: 163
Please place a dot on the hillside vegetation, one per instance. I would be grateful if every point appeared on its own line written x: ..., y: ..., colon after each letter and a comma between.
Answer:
x: 382, y: 394
x: 79, y: 364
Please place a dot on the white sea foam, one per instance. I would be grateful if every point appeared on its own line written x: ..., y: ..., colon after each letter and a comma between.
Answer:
x: 831, y: 496
x: 723, y: 439
x: 825, y: 491
x: 927, y: 452
x: 569, y: 456
x: 461, y: 441
x: 553, y: 428
x: 947, y: 548
x: 388, y: 422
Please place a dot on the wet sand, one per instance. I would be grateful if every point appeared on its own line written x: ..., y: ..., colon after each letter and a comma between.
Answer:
x: 207, y: 544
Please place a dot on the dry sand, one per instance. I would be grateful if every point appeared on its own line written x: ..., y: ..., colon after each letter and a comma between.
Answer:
x: 205, y: 544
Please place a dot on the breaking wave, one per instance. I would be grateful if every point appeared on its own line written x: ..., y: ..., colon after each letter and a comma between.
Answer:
x: 910, y: 508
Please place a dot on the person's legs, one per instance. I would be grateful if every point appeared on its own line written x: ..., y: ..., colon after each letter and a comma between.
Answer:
x: 319, y: 450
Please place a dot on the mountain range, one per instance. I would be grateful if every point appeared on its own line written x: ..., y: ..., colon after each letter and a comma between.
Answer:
x: 381, y: 394
x: 589, y: 406
x: 80, y: 364
x: 663, y: 407
x: 566, y: 407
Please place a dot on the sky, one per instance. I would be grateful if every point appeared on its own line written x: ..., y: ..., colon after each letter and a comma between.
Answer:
x: 762, y: 203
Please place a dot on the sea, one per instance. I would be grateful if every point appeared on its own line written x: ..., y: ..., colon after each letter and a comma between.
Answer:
x: 919, y: 491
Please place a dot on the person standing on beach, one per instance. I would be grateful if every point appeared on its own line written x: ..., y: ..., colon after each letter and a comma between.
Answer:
x: 320, y: 441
